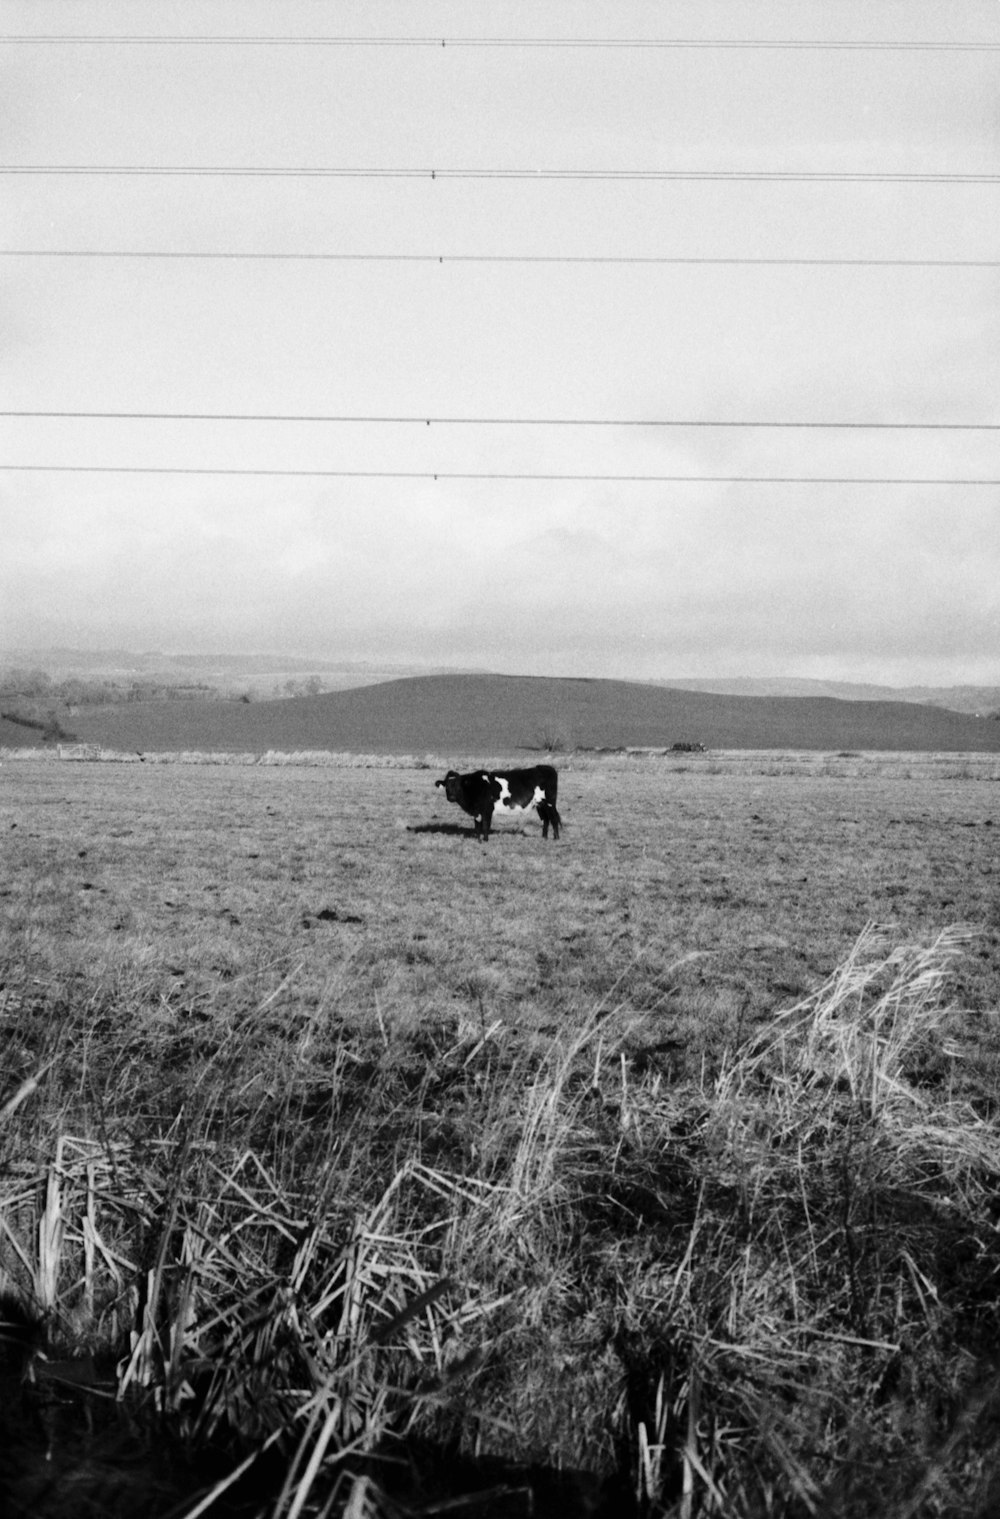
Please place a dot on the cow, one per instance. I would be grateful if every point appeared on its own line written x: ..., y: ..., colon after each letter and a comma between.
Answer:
x: 481, y: 793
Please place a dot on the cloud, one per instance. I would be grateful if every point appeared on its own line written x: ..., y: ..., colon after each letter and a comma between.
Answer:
x: 650, y: 588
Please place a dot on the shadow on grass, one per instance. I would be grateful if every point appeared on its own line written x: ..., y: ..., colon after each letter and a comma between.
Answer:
x: 454, y: 829
x: 459, y: 831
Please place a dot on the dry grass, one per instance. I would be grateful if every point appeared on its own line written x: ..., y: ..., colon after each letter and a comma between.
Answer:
x: 845, y: 764
x: 495, y: 1187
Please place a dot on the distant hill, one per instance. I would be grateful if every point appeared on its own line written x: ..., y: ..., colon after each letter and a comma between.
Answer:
x: 18, y: 735
x: 493, y: 715
x: 977, y: 700
x: 268, y: 675
x: 263, y: 675
x: 227, y: 673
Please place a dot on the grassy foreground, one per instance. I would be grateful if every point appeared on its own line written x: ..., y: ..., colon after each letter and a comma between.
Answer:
x: 262, y: 1258
x: 770, y: 1292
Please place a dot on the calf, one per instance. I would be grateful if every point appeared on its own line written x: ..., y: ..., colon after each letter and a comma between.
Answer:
x: 481, y: 793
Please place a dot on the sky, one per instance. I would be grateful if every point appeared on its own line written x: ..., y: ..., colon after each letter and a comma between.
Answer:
x: 600, y: 272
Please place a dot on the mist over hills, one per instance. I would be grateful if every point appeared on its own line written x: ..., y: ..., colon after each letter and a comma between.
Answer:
x: 490, y: 716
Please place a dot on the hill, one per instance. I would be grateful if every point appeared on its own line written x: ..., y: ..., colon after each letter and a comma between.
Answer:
x: 24, y: 732
x: 219, y: 674
x: 493, y: 715
x: 263, y: 676
x: 974, y: 700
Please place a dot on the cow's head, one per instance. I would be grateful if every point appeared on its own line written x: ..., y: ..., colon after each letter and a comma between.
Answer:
x: 450, y: 782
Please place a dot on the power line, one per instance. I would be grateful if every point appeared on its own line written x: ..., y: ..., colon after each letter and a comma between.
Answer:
x: 251, y: 171
x: 506, y: 258
x: 778, y: 44
x: 452, y: 421
x: 410, y: 474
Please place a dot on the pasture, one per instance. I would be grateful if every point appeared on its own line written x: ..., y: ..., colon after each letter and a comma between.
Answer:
x: 653, y: 1170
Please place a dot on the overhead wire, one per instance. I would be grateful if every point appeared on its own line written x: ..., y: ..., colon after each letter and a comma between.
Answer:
x: 412, y: 419
x: 572, y: 174
x: 541, y: 175
x: 500, y: 475
x: 794, y: 44
x: 502, y: 258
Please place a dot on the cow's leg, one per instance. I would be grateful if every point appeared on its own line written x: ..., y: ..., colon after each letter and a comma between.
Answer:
x: 548, y: 814
x: 487, y: 820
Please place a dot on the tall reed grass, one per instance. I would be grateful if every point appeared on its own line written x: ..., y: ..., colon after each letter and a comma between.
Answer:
x: 380, y: 1273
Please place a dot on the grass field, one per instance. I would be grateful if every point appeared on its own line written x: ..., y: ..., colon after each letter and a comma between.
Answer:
x: 633, y: 1173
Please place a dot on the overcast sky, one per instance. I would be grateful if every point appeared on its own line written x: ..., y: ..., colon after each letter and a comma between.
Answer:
x: 640, y: 578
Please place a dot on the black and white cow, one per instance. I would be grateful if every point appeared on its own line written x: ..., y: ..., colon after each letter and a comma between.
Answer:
x: 481, y: 793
